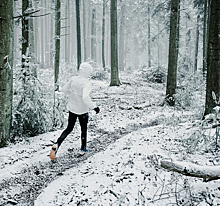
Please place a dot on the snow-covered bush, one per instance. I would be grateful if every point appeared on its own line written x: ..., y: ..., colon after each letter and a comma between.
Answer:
x: 100, y: 75
x: 190, y: 89
x: 35, y: 109
x: 31, y: 115
x: 155, y: 74
x: 206, y: 136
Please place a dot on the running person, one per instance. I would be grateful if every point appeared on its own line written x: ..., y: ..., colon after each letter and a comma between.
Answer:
x: 78, y: 89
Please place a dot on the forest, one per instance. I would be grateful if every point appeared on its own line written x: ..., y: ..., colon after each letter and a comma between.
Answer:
x: 156, y: 80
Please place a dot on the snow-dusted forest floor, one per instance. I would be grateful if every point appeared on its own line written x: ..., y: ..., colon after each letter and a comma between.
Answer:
x: 126, y: 141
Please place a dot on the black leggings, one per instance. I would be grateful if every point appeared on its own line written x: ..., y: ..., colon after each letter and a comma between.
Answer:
x: 83, y: 120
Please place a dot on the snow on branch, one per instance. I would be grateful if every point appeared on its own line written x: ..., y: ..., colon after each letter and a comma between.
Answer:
x: 208, y: 173
x: 26, y: 14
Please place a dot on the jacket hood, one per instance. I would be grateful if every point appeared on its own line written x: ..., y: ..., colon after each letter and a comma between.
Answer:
x: 85, y: 69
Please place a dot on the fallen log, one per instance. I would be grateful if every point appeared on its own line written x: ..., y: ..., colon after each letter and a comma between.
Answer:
x: 208, y: 173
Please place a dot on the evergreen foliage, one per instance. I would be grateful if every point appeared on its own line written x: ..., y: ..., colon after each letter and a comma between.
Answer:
x: 33, y: 110
x: 155, y: 74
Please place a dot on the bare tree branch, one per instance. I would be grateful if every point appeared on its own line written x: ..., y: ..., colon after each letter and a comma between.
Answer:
x: 41, y: 15
x: 26, y: 14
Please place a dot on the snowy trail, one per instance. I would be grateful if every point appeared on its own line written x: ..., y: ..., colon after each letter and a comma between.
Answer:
x: 23, y: 180
x: 25, y: 168
x: 93, y: 182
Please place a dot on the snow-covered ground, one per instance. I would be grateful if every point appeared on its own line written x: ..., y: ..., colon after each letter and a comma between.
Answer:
x: 126, y: 173
x: 126, y: 143
x: 115, y: 176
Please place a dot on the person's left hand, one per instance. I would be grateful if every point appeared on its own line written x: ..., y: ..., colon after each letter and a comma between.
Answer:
x: 97, y: 110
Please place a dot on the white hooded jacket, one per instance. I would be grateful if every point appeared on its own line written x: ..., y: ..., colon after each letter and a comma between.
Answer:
x: 78, y: 88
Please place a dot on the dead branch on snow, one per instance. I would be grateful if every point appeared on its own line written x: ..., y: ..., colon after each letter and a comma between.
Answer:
x: 208, y: 173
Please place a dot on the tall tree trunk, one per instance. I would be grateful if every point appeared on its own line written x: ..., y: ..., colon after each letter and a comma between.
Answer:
x: 78, y: 34
x: 103, y: 34
x: 187, y: 54
x: 108, y: 42
x: 136, y: 52
x: 197, y: 40
x: 158, y: 45
x: 42, y: 41
x: 73, y: 43
x: 32, y: 52
x: 93, y: 35
x: 52, y: 3
x: 114, y: 45
x: 205, y: 37
x: 47, y: 35
x: 173, y: 52
x: 84, y: 31
x: 6, y: 65
x: 37, y: 34
x: 122, y: 39
x: 25, y: 40
x: 126, y: 47
x: 149, y: 36
x: 57, y: 45
x: 88, y: 30
x: 67, y: 25
x: 213, y: 58
x: 16, y: 37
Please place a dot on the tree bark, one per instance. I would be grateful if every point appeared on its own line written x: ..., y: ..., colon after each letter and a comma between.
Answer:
x: 187, y: 54
x: 205, y: 37
x: 25, y: 39
x: 84, y: 31
x: 67, y: 33
x: 208, y: 173
x: 122, y: 39
x: 52, y: 43
x: 158, y: 44
x: 36, y: 34
x: 114, y: 45
x: 42, y: 40
x: 88, y: 30
x: 136, y: 52
x: 173, y: 53
x: 197, y: 41
x: 78, y: 34
x: 46, y: 36
x: 213, y: 58
x: 108, y: 41
x: 32, y: 51
x: 57, y: 44
x: 6, y: 65
x: 93, y: 35
x: 103, y: 34
x: 149, y: 37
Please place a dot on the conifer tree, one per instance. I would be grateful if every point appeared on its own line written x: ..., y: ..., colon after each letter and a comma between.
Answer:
x: 213, y: 58
x: 173, y: 52
x: 114, y: 45
x: 57, y: 44
x: 78, y: 33
x: 6, y: 65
